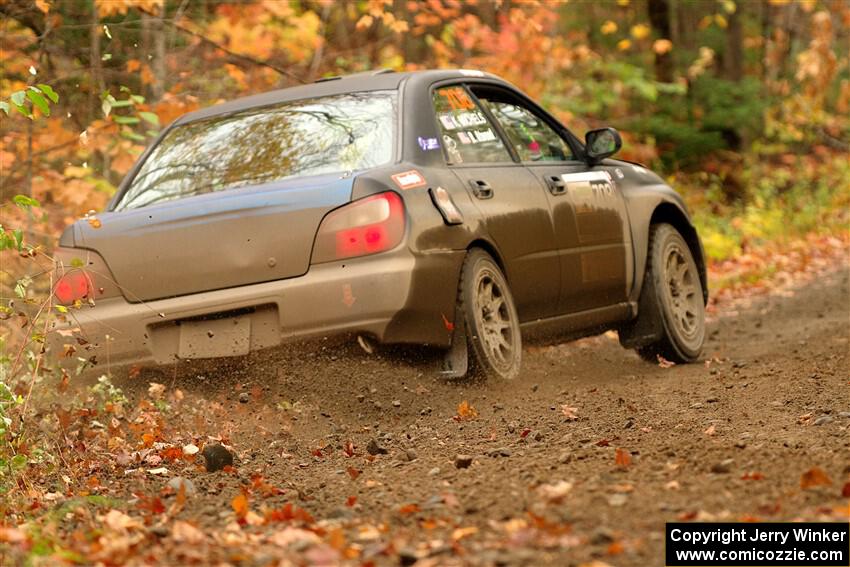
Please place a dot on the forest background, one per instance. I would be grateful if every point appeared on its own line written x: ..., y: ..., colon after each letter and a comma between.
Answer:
x: 743, y: 106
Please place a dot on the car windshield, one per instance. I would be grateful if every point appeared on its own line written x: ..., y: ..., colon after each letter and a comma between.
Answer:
x: 332, y: 134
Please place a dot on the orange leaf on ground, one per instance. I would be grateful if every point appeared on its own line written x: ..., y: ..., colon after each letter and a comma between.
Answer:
x: 465, y: 411
x: 353, y: 473
x: 351, y: 501
x: 622, y: 458
x: 845, y: 492
x: 408, y: 509
x: 615, y: 548
x: 240, y: 505
x: 814, y: 477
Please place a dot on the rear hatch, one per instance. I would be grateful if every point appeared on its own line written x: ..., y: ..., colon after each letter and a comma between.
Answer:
x: 214, y: 241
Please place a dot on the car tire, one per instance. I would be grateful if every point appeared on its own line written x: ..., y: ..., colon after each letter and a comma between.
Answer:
x: 490, y: 319
x: 673, y: 277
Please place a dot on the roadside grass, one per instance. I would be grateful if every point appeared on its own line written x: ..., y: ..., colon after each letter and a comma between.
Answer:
x: 794, y: 210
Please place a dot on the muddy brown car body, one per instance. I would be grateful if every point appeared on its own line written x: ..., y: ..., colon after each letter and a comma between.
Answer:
x: 225, y: 272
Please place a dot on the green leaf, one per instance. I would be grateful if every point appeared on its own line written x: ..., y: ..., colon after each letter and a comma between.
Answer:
x: 4, y: 106
x: 126, y: 119
x: 21, y: 287
x: 49, y: 92
x: 106, y: 57
x: 38, y: 100
x: 77, y: 263
x: 19, y: 238
x: 130, y: 135
x: 149, y: 117
x: 18, y: 98
x: 18, y: 461
x: 138, y: 99
x: 121, y: 103
x: 25, y: 202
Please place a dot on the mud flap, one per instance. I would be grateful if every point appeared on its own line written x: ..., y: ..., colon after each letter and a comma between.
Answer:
x: 456, y: 360
x: 647, y: 327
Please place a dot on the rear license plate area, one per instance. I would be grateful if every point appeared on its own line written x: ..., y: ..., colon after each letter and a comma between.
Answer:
x: 213, y: 338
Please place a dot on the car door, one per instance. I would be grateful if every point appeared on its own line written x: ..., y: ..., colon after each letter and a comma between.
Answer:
x: 589, y: 212
x: 513, y: 205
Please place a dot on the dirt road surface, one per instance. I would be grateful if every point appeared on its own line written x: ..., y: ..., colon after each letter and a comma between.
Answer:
x: 583, y: 458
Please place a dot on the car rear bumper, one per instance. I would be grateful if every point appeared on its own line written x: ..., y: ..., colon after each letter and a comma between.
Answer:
x: 397, y: 297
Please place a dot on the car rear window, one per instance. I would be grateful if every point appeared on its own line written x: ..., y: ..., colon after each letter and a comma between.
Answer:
x: 347, y: 132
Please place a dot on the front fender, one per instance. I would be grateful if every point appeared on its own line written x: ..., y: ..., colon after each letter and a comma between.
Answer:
x: 649, y: 200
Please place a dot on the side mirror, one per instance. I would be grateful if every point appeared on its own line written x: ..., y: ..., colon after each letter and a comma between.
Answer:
x: 602, y: 143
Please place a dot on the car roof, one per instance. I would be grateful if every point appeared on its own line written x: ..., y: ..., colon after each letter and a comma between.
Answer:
x: 383, y: 79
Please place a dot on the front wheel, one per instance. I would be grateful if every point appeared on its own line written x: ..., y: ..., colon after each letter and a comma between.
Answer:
x: 674, y: 279
x: 489, y: 317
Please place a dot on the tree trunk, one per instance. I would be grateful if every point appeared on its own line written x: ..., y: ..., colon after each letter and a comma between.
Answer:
x: 734, y: 57
x: 97, y: 85
x: 659, y: 17
x: 158, y: 67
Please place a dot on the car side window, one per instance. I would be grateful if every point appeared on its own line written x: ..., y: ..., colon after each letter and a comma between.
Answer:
x: 467, y: 134
x: 532, y: 138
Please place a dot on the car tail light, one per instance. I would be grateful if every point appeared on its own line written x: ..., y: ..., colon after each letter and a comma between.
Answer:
x: 73, y: 286
x: 368, y: 226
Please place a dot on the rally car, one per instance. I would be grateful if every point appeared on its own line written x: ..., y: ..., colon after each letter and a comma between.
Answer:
x: 442, y: 208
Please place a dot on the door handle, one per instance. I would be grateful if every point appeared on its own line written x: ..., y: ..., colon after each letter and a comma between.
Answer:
x: 557, y: 186
x: 481, y: 189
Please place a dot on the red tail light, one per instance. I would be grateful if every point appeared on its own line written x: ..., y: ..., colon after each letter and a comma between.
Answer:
x: 368, y: 226
x: 73, y: 286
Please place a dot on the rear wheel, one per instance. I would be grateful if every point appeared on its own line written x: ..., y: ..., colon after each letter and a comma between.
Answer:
x: 489, y: 318
x: 673, y: 275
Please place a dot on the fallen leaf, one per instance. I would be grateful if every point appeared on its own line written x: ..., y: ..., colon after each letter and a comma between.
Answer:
x: 12, y: 535
x: 351, y: 501
x: 161, y: 471
x: 190, y: 449
x: 460, y: 533
x: 353, y: 473
x: 408, y: 509
x: 155, y: 390
x: 752, y: 476
x: 290, y: 536
x: 555, y: 492
x: 240, y: 505
x: 465, y: 412
x: 622, y: 458
x: 845, y: 492
x: 569, y: 412
x: 118, y: 521
x: 184, y: 532
x: 814, y: 477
